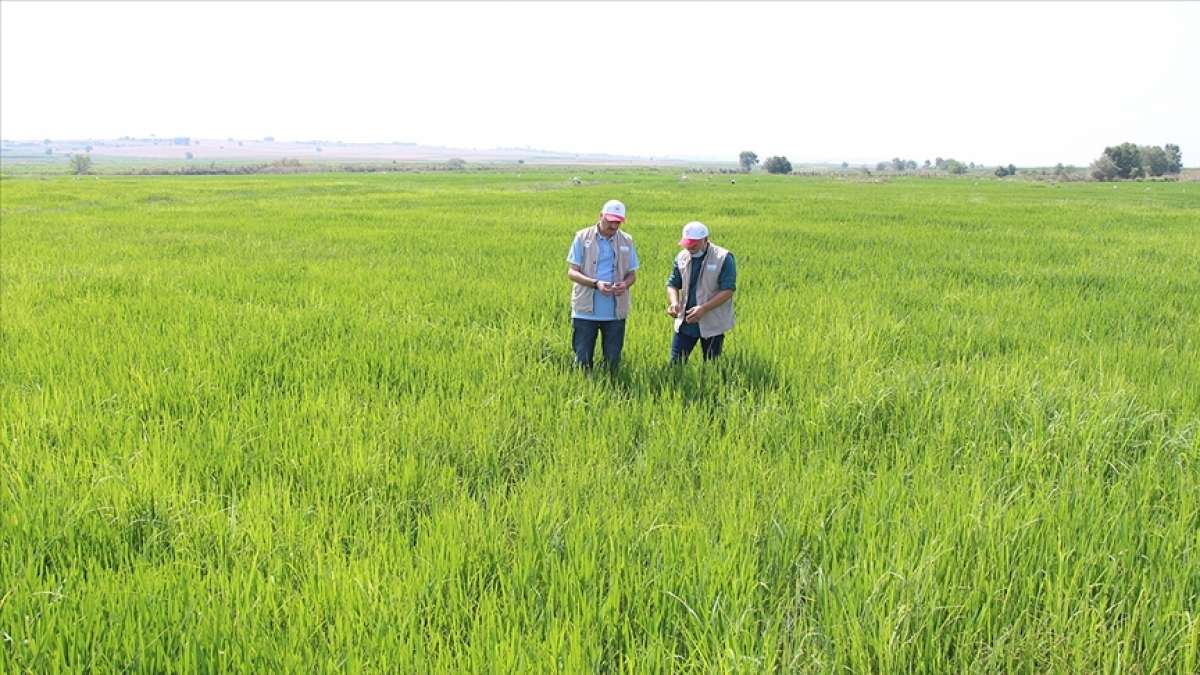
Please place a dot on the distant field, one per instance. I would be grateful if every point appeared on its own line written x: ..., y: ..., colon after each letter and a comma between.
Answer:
x: 328, y: 421
x: 116, y: 155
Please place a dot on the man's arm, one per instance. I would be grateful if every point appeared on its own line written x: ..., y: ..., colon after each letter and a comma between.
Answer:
x: 674, y: 293
x: 574, y: 272
x: 673, y: 302
x: 577, y: 276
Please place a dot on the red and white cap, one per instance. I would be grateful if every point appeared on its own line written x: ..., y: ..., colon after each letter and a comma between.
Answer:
x: 613, y: 210
x: 693, y: 232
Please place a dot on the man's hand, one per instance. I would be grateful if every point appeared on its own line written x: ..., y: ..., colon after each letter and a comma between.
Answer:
x: 673, y: 310
x: 694, y: 314
x: 618, y: 288
x: 605, y: 287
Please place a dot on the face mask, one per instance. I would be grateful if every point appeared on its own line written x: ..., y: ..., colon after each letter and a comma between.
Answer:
x: 698, y: 254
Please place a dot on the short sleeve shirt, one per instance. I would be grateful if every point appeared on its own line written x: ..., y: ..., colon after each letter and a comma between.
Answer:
x: 604, y: 307
x: 727, y: 281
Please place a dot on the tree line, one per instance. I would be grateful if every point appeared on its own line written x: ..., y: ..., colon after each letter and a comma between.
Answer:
x: 1124, y: 161
x: 1127, y: 160
x: 775, y: 164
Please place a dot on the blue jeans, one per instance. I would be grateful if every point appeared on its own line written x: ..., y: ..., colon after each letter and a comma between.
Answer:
x: 583, y: 340
x: 682, y: 346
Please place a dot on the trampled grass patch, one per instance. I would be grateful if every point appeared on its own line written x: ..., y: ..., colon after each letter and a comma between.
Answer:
x: 329, y: 421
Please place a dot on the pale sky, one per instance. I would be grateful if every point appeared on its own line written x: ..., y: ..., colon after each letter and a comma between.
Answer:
x: 1026, y: 83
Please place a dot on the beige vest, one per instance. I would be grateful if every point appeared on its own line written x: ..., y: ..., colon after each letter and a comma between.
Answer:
x: 719, y: 320
x: 583, y: 297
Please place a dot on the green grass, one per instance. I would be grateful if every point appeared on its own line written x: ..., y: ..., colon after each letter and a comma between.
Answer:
x: 326, y: 422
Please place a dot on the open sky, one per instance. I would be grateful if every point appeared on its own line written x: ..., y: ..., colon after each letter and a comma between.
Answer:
x: 1027, y: 83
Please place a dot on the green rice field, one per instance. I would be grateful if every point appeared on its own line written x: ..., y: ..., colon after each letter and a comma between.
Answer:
x: 329, y: 422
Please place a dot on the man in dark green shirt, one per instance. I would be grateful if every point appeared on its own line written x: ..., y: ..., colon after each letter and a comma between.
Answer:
x: 707, y: 275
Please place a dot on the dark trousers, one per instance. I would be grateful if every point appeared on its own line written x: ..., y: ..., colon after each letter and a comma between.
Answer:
x: 583, y: 340
x: 682, y: 346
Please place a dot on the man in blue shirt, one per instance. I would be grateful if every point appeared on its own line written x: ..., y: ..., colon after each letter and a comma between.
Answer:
x: 603, y: 264
x: 700, y: 294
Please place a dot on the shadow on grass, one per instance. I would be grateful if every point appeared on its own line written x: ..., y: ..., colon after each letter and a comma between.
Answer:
x: 696, y: 381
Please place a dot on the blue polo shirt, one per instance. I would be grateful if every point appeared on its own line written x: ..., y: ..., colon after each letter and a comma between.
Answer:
x: 726, y: 281
x: 604, y: 307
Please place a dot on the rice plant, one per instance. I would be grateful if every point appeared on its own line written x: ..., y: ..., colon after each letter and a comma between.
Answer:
x: 329, y: 422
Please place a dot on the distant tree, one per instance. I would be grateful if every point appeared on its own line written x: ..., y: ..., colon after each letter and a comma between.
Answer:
x: 1012, y: 170
x: 898, y: 164
x: 456, y: 164
x: 1060, y: 170
x: 845, y: 165
x: 189, y: 155
x: 939, y: 164
x: 49, y: 151
x: 1154, y: 160
x: 911, y: 165
x: 80, y: 164
x: 927, y: 164
x: 1174, y: 158
x: 971, y: 165
x: 955, y: 167
x: 1105, y: 168
x: 778, y: 164
x: 1001, y: 172
x: 1127, y: 157
x: 747, y: 160
x: 882, y: 166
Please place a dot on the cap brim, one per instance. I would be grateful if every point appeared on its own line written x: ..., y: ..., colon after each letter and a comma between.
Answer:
x: 689, y: 242
x: 613, y: 216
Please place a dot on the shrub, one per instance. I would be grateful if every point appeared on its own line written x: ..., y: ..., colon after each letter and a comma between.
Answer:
x: 747, y: 160
x: 1127, y: 158
x: 778, y: 164
x: 1154, y: 160
x: 1104, y: 168
x: 80, y: 164
x: 1174, y: 158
